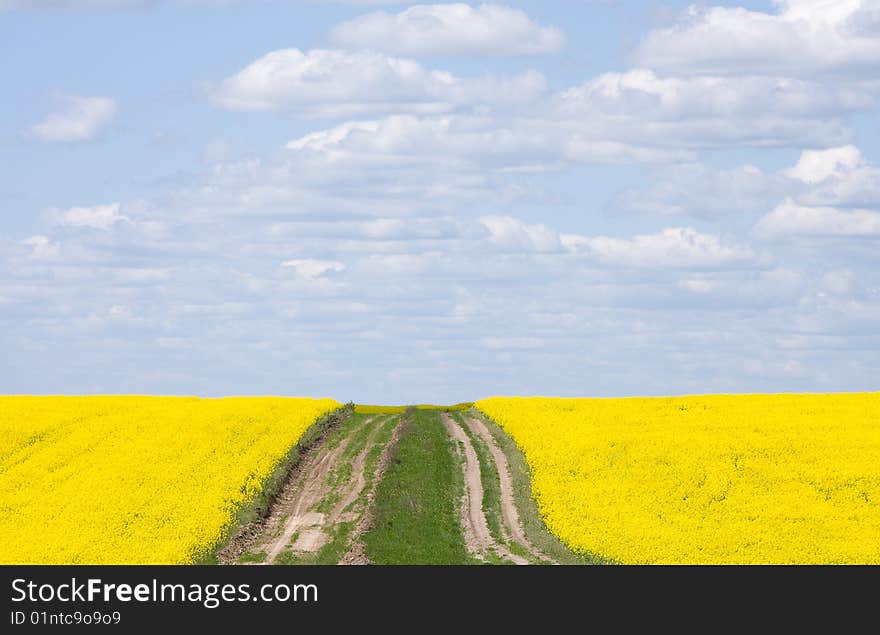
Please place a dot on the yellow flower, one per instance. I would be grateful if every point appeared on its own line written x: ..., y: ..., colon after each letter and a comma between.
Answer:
x: 713, y: 479
x: 119, y: 480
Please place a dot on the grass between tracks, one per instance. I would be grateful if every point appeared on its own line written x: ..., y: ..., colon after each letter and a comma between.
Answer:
x: 416, y: 518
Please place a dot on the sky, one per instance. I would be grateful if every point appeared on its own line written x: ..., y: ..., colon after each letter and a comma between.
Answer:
x: 388, y: 202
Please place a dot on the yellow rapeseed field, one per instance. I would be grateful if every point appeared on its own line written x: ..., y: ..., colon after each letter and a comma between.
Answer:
x: 714, y: 479
x: 121, y: 480
x: 364, y: 409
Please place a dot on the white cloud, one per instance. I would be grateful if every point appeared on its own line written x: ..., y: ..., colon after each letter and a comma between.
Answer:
x: 673, y: 248
x: 693, y: 188
x: 344, y: 83
x: 643, y: 91
x: 837, y: 177
x: 450, y: 28
x: 802, y: 37
x: 102, y: 217
x: 815, y: 166
x: 789, y: 219
x: 311, y: 269
x: 442, y: 233
x: 676, y: 247
x: 452, y: 139
x: 697, y: 285
x: 509, y: 233
x: 82, y: 119
x: 42, y: 248
x: 693, y: 112
x: 840, y: 177
x: 482, y: 143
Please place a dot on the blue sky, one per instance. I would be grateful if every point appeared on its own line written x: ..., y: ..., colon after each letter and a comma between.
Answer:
x: 392, y: 202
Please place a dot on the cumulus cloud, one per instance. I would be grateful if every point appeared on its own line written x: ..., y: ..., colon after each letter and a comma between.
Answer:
x: 510, y: 233
x: 677, y: 247
x: 695, y: 189
x: 42, y: 248
x: 633, y: 116
x: 312, y: 269
x: 446, y: 288
x: 80, y: 119
x: 102, y: 217
x: 344, y: 83
x: 673, y: 248
x: 451, y: 139
x: 837, y: 177
x: 491, y: 142
x: 815, y: 166
x: 802, y: 38
x: 789, y: 219
x: 450, y: 28
x: 445, y: 215
x: 832, y: 177
x: 642, y: 90
x: 711, y: 111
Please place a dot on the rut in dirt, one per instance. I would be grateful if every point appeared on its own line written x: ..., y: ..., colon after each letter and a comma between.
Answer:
x: 317, y: 511
x: 478, y: 538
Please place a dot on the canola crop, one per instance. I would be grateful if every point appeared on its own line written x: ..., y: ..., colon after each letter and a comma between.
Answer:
x: 365, y: 409
x: 751, y: 479
x: 135, y: 480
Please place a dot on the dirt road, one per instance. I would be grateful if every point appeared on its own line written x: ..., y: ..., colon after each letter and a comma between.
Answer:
x: 356, y: 554
x: 511, y: 526
x: 479, y: 540
x: 326, y: 499
x: 322, y: 513
x: 313, y: 490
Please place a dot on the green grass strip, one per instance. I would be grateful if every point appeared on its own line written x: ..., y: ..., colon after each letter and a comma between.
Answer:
x: 416, y: 518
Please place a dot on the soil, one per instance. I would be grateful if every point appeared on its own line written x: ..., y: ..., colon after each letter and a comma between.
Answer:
x: 302, y: 519
x: 357, y: 553
x: 512, y: 526
x: 478, y: 538
x: 243, y: 540
x: 314, y: 487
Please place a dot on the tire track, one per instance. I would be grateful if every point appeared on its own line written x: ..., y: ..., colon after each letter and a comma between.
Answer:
x: 509, y: 512
x: 354, y: 488
x: 356, y: 554
x: 478, y: 538
x: 311, y: 487
x: 314, y: 487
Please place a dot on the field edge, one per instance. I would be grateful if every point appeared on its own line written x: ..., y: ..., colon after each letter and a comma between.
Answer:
x: 255, y: 510
x: 532, y: 521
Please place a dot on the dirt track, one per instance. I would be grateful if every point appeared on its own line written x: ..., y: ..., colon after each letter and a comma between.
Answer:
x: 356, y: 554
x: 327, y: 491
x: 511, y: 526
x: 314, y: 488
x: 328, y: 500
x: 478, y: 538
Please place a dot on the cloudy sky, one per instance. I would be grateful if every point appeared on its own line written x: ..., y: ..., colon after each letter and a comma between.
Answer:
x: 390, y: 202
